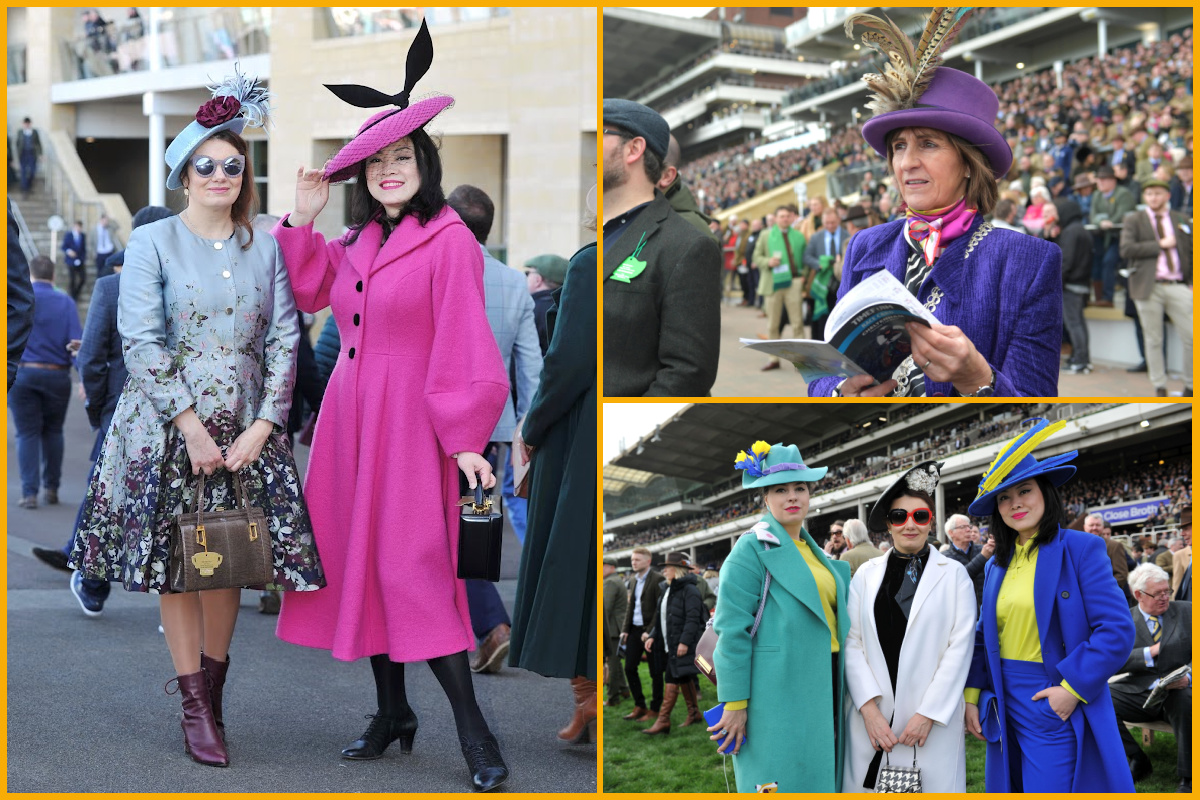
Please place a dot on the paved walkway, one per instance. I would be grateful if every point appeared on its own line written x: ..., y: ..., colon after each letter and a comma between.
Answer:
x: 86, y: 709
x: 739, y: 373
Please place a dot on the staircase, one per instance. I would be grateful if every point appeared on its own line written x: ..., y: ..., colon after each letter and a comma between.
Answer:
x: 37, y: 209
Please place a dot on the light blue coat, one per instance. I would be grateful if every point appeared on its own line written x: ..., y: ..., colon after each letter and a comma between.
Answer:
x: 785, y: 670
x: 510, y: 314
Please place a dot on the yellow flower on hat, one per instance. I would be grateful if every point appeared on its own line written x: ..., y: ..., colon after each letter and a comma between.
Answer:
x: 761, y: 449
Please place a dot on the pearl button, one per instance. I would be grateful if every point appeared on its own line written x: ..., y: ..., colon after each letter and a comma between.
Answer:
x: 225, y: 274
x: 218, y: 246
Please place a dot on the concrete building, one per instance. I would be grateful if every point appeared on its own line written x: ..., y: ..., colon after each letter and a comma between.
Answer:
x: 107, y: 98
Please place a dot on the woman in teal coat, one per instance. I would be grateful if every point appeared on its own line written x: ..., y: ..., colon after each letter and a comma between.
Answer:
x: 783, y: 686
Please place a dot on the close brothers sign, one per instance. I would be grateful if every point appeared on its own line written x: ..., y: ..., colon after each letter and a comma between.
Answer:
x: 1125, y: 513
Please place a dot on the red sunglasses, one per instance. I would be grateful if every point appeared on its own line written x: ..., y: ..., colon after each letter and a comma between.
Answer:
x: 898, y: 516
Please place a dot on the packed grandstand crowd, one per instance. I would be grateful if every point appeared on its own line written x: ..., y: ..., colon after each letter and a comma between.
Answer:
x: 1172, y: 480
x: 1142, y: 93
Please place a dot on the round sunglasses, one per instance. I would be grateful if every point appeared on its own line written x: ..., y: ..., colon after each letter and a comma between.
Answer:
x: 205, y: 166
x: 898, y: 516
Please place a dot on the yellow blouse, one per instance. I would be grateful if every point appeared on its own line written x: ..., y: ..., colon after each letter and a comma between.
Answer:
x: 1016, y: 617
x: 826, y: 588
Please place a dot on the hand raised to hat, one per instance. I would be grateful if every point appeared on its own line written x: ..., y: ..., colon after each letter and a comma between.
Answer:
x: 312, y: 193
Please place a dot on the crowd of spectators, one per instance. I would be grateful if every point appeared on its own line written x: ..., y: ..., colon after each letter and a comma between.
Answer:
x: 1137, y: 99
x: 931, y: 445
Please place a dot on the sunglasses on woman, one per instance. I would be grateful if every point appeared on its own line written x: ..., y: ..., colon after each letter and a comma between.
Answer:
x: 898, y: 516
x: 206, y: 166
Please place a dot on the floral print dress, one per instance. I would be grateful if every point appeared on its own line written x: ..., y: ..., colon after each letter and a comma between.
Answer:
x: 205, y: 324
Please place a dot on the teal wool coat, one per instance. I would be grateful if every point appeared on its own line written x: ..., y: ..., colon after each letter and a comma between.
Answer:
x: 785, y: 670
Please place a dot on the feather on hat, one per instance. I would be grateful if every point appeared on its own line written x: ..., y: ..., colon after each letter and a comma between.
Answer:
x: 1014, y: 464
x: 914, y: 90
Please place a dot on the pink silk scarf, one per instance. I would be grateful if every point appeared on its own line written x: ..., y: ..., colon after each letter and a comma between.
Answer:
x: 934, y: 230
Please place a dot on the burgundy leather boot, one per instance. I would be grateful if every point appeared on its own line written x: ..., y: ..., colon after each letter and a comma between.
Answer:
x: 201, y: 739
x: 216, y: 671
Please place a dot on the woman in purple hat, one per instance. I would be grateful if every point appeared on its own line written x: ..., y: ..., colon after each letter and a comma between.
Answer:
x: 1053, y: 628
x: 996, y: 293
x: 416, y: 392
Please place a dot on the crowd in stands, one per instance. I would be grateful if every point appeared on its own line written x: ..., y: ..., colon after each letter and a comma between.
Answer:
x: 1173, y: 479
x: 1138, y: 99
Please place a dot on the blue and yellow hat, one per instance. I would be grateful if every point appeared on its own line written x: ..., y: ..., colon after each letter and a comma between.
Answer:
x: 771, y: 464
x: 1014, y: 464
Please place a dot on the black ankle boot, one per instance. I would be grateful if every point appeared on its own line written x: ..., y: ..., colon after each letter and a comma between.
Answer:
x: 488, y: 769
x: 382, y: 731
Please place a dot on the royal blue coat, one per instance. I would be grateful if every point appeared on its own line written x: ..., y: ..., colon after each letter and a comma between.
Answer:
x: 1005, y: 293
x: 1086, y: 635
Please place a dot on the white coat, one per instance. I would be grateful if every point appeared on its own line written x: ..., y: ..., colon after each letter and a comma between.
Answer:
x: 932, y: 672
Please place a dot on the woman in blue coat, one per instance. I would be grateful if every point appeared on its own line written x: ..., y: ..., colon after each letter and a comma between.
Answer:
x: 1053, y: 628
x: 997, y: 294
x: 780, y: 675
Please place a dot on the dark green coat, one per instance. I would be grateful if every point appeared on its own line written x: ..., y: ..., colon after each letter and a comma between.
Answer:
x: 554, y: 616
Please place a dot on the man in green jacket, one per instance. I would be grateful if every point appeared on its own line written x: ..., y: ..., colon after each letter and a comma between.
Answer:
x: 1110, y: 204
x: 780, y: 251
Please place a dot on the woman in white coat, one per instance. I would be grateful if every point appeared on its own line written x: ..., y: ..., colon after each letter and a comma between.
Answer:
x: 912, y: 627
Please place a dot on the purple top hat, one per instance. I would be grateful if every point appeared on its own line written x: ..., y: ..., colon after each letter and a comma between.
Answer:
x: 957, y: 103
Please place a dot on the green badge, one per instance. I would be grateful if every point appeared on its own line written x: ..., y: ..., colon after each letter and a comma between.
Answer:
x: 630, y: 268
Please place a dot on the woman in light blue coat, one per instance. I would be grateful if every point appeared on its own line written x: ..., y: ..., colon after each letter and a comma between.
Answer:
x: 783, y: 686
x: 210, y: 330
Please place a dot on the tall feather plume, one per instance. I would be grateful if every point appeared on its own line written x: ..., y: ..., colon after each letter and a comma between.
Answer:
x: 255, y: 99
x: 1011, y: 454
x: 908, y: 70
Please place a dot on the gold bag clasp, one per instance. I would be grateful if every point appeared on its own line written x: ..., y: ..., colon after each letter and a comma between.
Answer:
x: 207, y: 563
x: 253, y: 531
x: 201, y: 539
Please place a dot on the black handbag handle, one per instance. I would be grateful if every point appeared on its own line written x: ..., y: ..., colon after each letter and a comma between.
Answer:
x: 887, y: 761
x: 478, y: 492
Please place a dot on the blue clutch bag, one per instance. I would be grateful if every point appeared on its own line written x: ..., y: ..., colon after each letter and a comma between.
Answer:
x: 989, y: 715
x: 712, y: 717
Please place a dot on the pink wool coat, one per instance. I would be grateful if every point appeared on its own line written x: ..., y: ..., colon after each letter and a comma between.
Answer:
x: 419, y: 378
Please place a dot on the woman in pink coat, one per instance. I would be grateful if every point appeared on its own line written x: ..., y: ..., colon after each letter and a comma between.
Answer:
x: 418, y: 387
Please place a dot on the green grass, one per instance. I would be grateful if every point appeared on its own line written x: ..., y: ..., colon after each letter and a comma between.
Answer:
x: 686, y: 761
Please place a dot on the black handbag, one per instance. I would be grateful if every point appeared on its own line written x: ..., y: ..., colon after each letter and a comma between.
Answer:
x: 480, y: 530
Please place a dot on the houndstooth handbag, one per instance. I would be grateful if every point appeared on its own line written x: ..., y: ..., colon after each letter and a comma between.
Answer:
x: 899, y: 779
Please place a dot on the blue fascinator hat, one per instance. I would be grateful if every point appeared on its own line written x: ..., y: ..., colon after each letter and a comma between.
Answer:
x: 1014, y: 464
x: 237, y: 102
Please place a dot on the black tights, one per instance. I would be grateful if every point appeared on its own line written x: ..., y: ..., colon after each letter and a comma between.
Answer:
x: 453, y: 672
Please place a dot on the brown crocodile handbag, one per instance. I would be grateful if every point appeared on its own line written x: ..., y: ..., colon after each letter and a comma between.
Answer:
x: 220, y: 549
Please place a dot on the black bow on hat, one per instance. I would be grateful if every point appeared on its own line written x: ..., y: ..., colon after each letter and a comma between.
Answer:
x: 420, y: 57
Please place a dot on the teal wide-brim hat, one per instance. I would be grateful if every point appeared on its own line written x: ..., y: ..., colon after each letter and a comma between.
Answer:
x: 237, y: 102
x: 1014, y: 464
x: 771, y: 464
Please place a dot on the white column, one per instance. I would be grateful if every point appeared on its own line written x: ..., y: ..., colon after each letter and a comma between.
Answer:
x: 939, y: 513
x: 978, y: 70
x: 1058, y: 74
x: 157, y: 133
x: 1102, y: 37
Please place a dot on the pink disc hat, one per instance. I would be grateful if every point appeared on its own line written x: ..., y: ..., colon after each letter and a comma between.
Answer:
x: 390, y: 125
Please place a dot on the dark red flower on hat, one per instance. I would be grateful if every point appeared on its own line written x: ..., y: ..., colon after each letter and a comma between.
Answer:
x: 217, y: 111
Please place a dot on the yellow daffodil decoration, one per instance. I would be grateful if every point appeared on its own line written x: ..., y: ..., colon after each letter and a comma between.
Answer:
x: 753, y: 462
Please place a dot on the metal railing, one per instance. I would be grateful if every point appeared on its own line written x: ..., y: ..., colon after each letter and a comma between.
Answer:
x: 16, y: 64
x: 28, y: 248
x: 364, y: 21
x: 186, y: 36
x: 77, y: 198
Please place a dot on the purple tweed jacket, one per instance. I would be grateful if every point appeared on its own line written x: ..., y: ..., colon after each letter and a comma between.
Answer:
x: 1005, y: 295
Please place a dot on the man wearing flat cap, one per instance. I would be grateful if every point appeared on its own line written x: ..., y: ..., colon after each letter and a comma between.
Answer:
x: 1181, y: 187
x: 544, y: 274
x: 1157, y: 244
x: 616, y: 604
x: 662, y: 277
